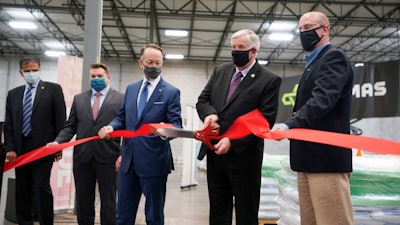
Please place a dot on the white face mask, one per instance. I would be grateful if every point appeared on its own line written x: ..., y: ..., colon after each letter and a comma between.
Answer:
x: 31, y: 77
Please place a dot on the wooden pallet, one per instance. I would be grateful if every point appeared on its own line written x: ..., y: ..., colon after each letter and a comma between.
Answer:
x: 267, y: 222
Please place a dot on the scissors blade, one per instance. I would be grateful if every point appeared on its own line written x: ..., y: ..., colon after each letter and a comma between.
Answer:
x: 175, y: 132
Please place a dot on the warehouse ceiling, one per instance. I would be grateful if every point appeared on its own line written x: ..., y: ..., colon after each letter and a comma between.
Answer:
x: 368, y: 30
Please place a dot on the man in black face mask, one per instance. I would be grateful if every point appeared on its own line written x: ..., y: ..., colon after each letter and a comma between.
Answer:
x: 147, y: 160
x: 234, y: 167
x: 323, y: 102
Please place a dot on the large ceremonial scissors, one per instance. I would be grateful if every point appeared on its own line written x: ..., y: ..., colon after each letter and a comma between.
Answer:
x: 205, y: 135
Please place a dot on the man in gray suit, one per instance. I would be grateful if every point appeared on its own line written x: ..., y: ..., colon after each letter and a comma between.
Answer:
x: 96, y: 160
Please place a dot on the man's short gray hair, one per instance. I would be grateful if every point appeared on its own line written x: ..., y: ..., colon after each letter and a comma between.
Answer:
x: 252, y: 38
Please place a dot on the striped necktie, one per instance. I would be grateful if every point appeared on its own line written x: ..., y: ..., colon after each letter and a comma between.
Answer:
x: 27, y: 112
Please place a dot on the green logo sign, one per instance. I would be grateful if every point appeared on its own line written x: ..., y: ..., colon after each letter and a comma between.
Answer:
x: 290, y: 97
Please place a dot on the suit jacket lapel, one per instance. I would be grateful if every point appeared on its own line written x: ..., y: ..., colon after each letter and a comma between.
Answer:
x: 20, y: 95
x: 41, y: 87
x: 247, y: 80
x: 87, y: 102
x: 135, y: 95
x: 108, y: 98
x: 225, y: 83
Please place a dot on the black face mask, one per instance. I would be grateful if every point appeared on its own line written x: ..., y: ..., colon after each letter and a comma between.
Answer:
x: 240, y: 58
x: 152, y: 72
x: 309, y: 39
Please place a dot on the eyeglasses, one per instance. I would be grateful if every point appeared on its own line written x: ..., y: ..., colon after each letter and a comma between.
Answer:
x: 151, y: 62
x: 308, y: 27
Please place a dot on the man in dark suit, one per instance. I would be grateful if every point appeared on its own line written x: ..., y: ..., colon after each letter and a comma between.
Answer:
x: 45, y: 118
x: 147, y: 160
x: 94, y: 161
x: 323, y: 102
x: 234, y: 168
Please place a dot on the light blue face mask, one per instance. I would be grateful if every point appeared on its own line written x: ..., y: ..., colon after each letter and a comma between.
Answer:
x: 31, y: 77
x: 98, y: 84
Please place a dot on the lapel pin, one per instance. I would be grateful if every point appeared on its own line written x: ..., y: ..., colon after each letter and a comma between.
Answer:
x: 252, y: 75
x: 42, y: 87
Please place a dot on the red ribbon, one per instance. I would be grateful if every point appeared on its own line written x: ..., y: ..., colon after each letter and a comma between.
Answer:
x: 250, y: 123
x: 45, y: 151
x: 255, y: 123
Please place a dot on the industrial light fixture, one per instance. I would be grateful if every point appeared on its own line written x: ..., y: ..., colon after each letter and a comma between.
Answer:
x: 281, y: 36
x: 54, y: 53
x: 358, y: 64
x: 282, y: 26
x: 22, y: 25
x: 174, y: 56
x: 262, y: 62
x: 21, y: 14
x: 176, y: 33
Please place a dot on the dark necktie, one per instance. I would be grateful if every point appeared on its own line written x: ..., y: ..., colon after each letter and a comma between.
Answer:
x: 143, y: 98
x: 234, y: 84
x: 96, y: 106
x: 27, y: 112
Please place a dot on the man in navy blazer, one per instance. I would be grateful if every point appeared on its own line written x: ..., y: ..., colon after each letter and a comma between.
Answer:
x: 234, y: 168
x: 147, y: 160
x: 94, y: 161
x: 323, y: 102
x: 47, y: 119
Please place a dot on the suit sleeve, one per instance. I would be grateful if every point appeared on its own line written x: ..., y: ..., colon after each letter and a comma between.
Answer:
x: 269, y: 100
x: 174, y: 110
x: 203, y: 105
x: 59, y: 108
x: 70, y: 127
x: 118, y: 122
x: 8, y: 127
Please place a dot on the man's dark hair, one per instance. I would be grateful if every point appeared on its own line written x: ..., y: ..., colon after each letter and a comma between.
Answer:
x: 100, y: 65
x: 28, y: 59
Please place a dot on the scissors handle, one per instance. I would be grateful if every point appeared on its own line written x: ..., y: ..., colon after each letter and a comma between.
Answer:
x: 205, y: 135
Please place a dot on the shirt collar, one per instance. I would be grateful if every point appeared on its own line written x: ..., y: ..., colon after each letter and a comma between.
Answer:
x: 245, y: 71
x: 34, y: 85
x: 102, y: 92
x: 312, y: 55
x: 152, y: 82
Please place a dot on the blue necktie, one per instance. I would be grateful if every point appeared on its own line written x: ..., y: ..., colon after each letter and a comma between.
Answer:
x: 27, y: 112
x: 143, y: 98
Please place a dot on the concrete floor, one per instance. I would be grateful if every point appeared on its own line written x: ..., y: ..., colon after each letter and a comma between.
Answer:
x: 183, y: 206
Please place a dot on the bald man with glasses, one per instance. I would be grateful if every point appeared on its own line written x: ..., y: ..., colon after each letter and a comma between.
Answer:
x: 323, y: 102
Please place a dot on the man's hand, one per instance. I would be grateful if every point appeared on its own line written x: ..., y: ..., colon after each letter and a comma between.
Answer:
x: 155, y: 132
x: 105, y: 131
x: 57, y: 156
x: 212, y: 121
x: 223, y: 146
x: 280, y: 127
x: 118, y: 163
x: 11, y: 156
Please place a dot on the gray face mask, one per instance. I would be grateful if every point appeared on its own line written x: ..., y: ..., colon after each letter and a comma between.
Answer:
x: 152, y: 72
x: 31, y: 77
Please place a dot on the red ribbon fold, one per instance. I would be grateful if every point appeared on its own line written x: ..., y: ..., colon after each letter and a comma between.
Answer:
x: 250, y: 123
